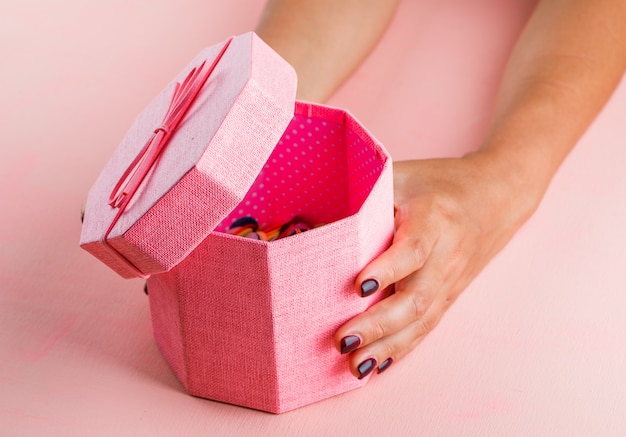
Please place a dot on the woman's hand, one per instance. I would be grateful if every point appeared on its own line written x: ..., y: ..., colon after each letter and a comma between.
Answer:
x: 452, y: 217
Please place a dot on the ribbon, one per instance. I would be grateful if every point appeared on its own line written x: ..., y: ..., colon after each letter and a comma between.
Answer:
x: 132, y: 178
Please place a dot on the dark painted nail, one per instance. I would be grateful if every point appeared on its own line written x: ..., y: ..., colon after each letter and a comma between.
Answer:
x: 145, y: 288
x: 350, y: 343
x: 385, y: 365
x: 366, y: 367
x: 369, y: 287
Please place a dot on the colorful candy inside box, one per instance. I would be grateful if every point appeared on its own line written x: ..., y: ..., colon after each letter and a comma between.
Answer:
x: 248, y: 321
x: 248, y: 227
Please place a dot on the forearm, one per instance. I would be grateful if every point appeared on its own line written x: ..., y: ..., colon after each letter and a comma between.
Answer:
x: 324, y: 40
x: 565, y: 66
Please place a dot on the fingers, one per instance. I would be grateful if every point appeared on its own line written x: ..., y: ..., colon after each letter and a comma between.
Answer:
x: 416, y: 285
x: 380, y: 355
x: 391, y: 314
x: 439, y: 246
x: 405, y: 256
x: 395, y: 325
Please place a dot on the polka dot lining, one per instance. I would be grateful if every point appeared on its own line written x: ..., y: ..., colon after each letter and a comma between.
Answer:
x: 320, y: 170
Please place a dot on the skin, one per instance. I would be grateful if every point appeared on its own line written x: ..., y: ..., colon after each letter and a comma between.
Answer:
x: 455, y: 214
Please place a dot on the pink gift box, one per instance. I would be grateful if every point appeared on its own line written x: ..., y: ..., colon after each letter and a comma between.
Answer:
x: 244, y: 321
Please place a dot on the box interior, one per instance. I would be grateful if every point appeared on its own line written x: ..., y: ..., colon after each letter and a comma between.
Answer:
x: 321, y: 170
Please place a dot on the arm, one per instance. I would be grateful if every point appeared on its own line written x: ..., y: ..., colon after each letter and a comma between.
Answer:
x: 324, y: 40
x: 454, y: 215
x: 568, y: 61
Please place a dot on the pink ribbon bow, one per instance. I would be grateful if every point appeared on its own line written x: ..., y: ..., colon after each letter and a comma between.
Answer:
x: 132, y: 178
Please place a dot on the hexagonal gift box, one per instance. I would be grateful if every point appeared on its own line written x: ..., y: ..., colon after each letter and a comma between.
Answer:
x: 244, y: 321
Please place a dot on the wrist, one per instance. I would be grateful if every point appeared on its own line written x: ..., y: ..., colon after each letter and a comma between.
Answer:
x: 510, y: 181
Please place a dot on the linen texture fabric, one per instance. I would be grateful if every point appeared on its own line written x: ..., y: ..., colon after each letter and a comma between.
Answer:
x: 238, y: 320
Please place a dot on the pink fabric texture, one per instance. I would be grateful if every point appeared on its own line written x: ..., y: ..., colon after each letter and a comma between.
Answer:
x: 205, y: 170
x: 238, y: 320
x: 250, y: 322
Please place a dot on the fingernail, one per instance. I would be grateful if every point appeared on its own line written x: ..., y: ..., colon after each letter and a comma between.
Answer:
x: 350, y: 343
x: 385, y: 365
x: 369, y: 287
x: 366, y: 367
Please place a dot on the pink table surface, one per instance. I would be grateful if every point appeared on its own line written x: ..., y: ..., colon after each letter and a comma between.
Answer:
x: 535, y: 346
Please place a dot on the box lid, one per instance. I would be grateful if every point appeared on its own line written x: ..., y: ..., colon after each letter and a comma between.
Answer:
x: 190, y: 157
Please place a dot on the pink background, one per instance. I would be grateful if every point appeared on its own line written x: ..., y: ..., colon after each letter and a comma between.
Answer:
x: 535, y: 346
